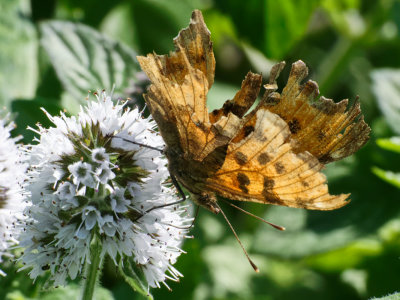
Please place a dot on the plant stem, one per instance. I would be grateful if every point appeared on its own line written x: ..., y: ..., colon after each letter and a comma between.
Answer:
x: 92, y: 270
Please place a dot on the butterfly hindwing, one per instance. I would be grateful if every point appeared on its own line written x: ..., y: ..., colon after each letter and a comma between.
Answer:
x: 262, y: 167
x: 320, y: 126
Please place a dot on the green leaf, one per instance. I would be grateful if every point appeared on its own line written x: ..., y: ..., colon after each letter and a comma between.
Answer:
x: 299, y: 239
x: 74, y: 292
x: 131, y: 278
x: 395, y: 296
x: 18, y: 55
x: 348, y: 257
x: 219, y: 93
x: 285, y: 24
x: 221, y: 27
x: 391, y: 144
x: 224, y: 261
x: 258, y: 61
x: 158, y: 21
x: 29, y: 113
x: 388, y: 176
x: 119, y: 24
x: 345, y: 16
x: 386, y: 87
x: 84, y: 59
x: 271, y: 26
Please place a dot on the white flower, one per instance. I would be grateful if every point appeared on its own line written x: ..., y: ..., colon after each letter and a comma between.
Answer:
x: 88, y: 182
x: 99, y: 155
x: 12, y: 169
x: 82, y: 173
x: 103, y: 174
x: 118, y: 201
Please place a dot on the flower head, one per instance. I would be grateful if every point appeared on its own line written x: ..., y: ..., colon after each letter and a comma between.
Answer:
x: 90, y: 180
x: 12, y: 174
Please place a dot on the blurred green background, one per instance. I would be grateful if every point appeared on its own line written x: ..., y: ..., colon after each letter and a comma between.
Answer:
x: 53, y: 52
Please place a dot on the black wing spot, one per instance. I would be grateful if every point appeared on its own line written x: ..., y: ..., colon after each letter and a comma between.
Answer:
x: 248, y: 129
x: 268, y: 183
x: 263, y: 158
x: 240, y: 158
x: 294, y: 126
x: 243, y: 181
x: 280, y: 169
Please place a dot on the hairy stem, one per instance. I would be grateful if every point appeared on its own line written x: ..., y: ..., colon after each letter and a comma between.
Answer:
x: 92, y: 270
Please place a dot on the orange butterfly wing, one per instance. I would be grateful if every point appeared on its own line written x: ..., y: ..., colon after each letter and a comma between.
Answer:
x: 177, y: 96
x: 273, y: 154
x: 320, y: 126
x: 262, y: 167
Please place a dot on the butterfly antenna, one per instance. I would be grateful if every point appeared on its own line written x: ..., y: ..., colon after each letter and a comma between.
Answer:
x: 140, y: 144
x: 254, y: 216
x: 240, y: 243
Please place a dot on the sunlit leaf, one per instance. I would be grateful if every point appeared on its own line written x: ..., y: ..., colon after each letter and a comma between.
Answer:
x: 285, y: 24
x: 347, y: 257
x: 391, y: 144
x: 18, y: 54
x: 395, y: 296
x: 221, y: 27
x: 388, y: 176
x: 84, y: 59
x: 259, y: 62
x: 386, y: 87
x: 119, y: 24
x: 219, y: 93
x: 345, y: 16
x: 271, y: 26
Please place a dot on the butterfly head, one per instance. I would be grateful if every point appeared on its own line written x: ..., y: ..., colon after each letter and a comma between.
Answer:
x: 206, y: 200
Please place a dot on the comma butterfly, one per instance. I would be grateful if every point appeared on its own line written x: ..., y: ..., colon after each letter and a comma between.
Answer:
x: 272, y: 154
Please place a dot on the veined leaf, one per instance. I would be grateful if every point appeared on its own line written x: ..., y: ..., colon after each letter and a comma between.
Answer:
x: 18, y: 54
x: 285, y: 23
x: 84, y: 59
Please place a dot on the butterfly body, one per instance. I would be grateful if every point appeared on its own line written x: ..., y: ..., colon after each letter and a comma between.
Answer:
x: 192, y: 174
x: 272, y: 154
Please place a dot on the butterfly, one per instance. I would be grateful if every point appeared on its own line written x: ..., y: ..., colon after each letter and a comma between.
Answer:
x: 272, y: 154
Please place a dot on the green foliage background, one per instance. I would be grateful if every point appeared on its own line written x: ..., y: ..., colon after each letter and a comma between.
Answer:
x: 53, y: 52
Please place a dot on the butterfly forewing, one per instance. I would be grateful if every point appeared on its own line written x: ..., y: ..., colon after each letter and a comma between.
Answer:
x: 243, y: 99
